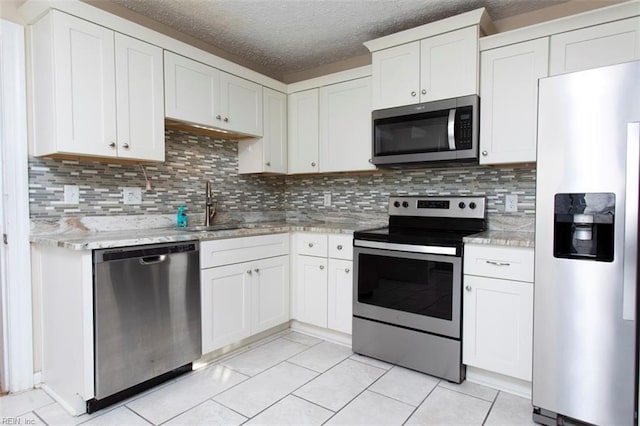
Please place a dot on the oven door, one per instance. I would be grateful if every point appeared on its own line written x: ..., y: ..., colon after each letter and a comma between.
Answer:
x: 410, y: 289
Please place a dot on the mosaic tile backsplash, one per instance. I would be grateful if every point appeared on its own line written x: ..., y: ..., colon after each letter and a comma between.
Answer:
x: 192, y: 159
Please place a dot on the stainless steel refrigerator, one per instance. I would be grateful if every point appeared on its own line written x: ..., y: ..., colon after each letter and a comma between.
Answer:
x: 586, y: 247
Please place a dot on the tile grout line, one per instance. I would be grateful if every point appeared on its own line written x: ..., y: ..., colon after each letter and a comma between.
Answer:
x: 486, y: 417
x: 422, y: 402
x: 472, y: 396
x: 139, y: 415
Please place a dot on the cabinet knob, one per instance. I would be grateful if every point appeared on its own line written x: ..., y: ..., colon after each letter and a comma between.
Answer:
x: 268, y: 163
x: 423, y: 91
x: 226, y: 119
x: 413, y: 94
x: 468, y: 288
x: 310, y: 245
x: 257, y: 270
x: 321, y: 267
x: 218, y: 117
x: 125, y: 145
x: 485, y: 153
x: 339, y: 247
x: 112, y: 144
x: 249, y: 271
x: 370, y: 161
x: 347, y: 270
x: 313, y: 164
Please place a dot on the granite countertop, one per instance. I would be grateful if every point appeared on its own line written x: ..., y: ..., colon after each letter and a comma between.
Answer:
x: 502, y: 238
x: 80, y: 240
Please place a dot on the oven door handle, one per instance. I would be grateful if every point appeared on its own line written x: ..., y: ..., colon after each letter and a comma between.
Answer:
x: 411, y: 248
x: 451, y: 125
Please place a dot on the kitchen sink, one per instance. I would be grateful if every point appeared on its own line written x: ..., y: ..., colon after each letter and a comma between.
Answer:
x: 211, y: 228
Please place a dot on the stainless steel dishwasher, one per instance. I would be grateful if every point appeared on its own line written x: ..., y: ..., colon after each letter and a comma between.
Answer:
x: 146, y: 317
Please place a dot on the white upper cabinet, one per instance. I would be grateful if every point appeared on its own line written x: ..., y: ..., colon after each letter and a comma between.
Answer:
x: 269, y: 153
x: 509, y: 90
x: 199, y: 94
x: 95, y: 92
x: 596, y: 46
x: 345, y: 126
x: 449, y: 65
x: 303, y: 132
x: 396, y: 76
x: 439, y: 67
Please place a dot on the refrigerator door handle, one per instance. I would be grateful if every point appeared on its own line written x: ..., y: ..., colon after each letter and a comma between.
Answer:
x: 631, y: 222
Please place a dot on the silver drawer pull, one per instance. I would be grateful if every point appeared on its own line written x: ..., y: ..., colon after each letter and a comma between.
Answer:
x: 257, y: 270
x: 493, y: 262
x: 321, y: 267
x: 310, y: 245
x: 339, y: 247
x: 249, y: 271
x: 468, y: 288
x: 347, y: 270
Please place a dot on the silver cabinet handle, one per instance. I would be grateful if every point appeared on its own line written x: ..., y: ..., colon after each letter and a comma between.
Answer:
x: 321, y: 267
x: 629, y: 267
x: 347, y: 270
x: 249, y: 271
x: 310, y: 245
x: 125, y: 145
x: 257, y: 270
x: 493, y: 262
x: 423, y: 91
x: 313, y: 164
x: 485, y: 153
x: 268, y: 163
x: 468, y: 288
x: 339, y: 247
x: 413, y: 94
x: 112, y: 144
x: 226, y: 119
x: 218, y: 117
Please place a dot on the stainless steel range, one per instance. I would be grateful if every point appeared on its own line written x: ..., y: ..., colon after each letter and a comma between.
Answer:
x: 407, y: 289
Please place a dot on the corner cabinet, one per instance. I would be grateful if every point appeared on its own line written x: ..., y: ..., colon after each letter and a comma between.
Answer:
x: 199, y: 94
x: 509, y: 91
x: 267, y: 154
x: 498, y: 311
x: 434, y: 68
x: 244, y: 288
x: 96, y: 92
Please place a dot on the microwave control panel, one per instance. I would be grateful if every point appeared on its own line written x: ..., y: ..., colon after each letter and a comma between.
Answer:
x: 464, y: 126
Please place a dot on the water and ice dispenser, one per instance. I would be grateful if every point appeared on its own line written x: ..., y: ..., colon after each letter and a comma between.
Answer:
x: 583, y: 226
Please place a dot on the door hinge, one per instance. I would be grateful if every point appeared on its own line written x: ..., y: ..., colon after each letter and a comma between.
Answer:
x: 4, y: 239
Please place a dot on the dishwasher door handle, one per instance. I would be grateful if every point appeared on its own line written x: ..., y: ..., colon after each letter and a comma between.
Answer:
x: 152, y: 260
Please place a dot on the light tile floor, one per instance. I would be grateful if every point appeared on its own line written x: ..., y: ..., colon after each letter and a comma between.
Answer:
x: 290, y: 378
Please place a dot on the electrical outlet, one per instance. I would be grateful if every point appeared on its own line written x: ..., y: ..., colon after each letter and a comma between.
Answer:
x: 71, y: 194
x: 511, y: 203
x: 327, y: 199
x: 131, y: 195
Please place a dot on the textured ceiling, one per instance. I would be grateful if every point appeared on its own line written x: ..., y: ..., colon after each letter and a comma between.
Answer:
x: 287, y: 36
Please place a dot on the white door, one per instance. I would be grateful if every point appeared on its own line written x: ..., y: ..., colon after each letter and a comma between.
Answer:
x: 449, y: 65
x: 192, y: 91
x: 345, y: 126
x: 226, y: 305
x: 498, y: 326
x: 311, y: 284
x: 241, y: 105
x: 509, y: 91
x: 396, y: 76
x: 303, y: 132
x: 275, y: 131
x: 140, y: 99
x: 340, y: 295
x: 270, y: 293
x: 84, y: 81
x: 597, y: 46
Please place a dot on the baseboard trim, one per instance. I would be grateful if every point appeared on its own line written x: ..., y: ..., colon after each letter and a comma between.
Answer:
x: 499, y: 381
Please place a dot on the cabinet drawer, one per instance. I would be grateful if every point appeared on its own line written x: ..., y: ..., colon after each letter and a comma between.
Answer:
x: 242, y: 249
x: 341, y: 246
x: 312, y: 244
x: 512, y: 263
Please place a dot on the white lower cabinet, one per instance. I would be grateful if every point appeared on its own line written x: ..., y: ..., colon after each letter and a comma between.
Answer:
x: 322, y: 290
x: 498, y: 310
x: 245, y: 296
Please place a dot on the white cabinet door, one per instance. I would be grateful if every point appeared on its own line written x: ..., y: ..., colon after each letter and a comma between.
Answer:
x: 191, y: 91
x: 226, y: 305
x: 509, y: 90
x: 498, y: 325
x: 270, y: 293
x: 240, y: 105
x: 268, y: 153
x: 140, y: 99
x: 84, y: 87
x: 303, y: 132
x: 311, y: 286
x: 340, y: 295
x: 345, y: 126
x: 449, y: 65
x: 596, y: 46
x: 396, y: 76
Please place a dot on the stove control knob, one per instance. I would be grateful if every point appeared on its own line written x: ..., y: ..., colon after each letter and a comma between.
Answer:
x: 472, y: 205
x: 396, y: 204
x: 461, y: 205
x: 405, y: 204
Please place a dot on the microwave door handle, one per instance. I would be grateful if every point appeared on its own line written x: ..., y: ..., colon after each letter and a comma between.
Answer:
x: 451, y: 125
x: 631, y: 223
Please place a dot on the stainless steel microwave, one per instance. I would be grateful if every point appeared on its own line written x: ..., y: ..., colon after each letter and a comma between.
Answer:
x: 445, y: 130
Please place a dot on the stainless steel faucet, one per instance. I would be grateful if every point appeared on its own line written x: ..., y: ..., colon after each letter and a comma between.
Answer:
x: 210, y: 206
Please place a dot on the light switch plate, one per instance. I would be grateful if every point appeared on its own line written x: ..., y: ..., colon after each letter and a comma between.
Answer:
x: 511, y: 203
x: 131, y: 195
x: 71, y: 194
